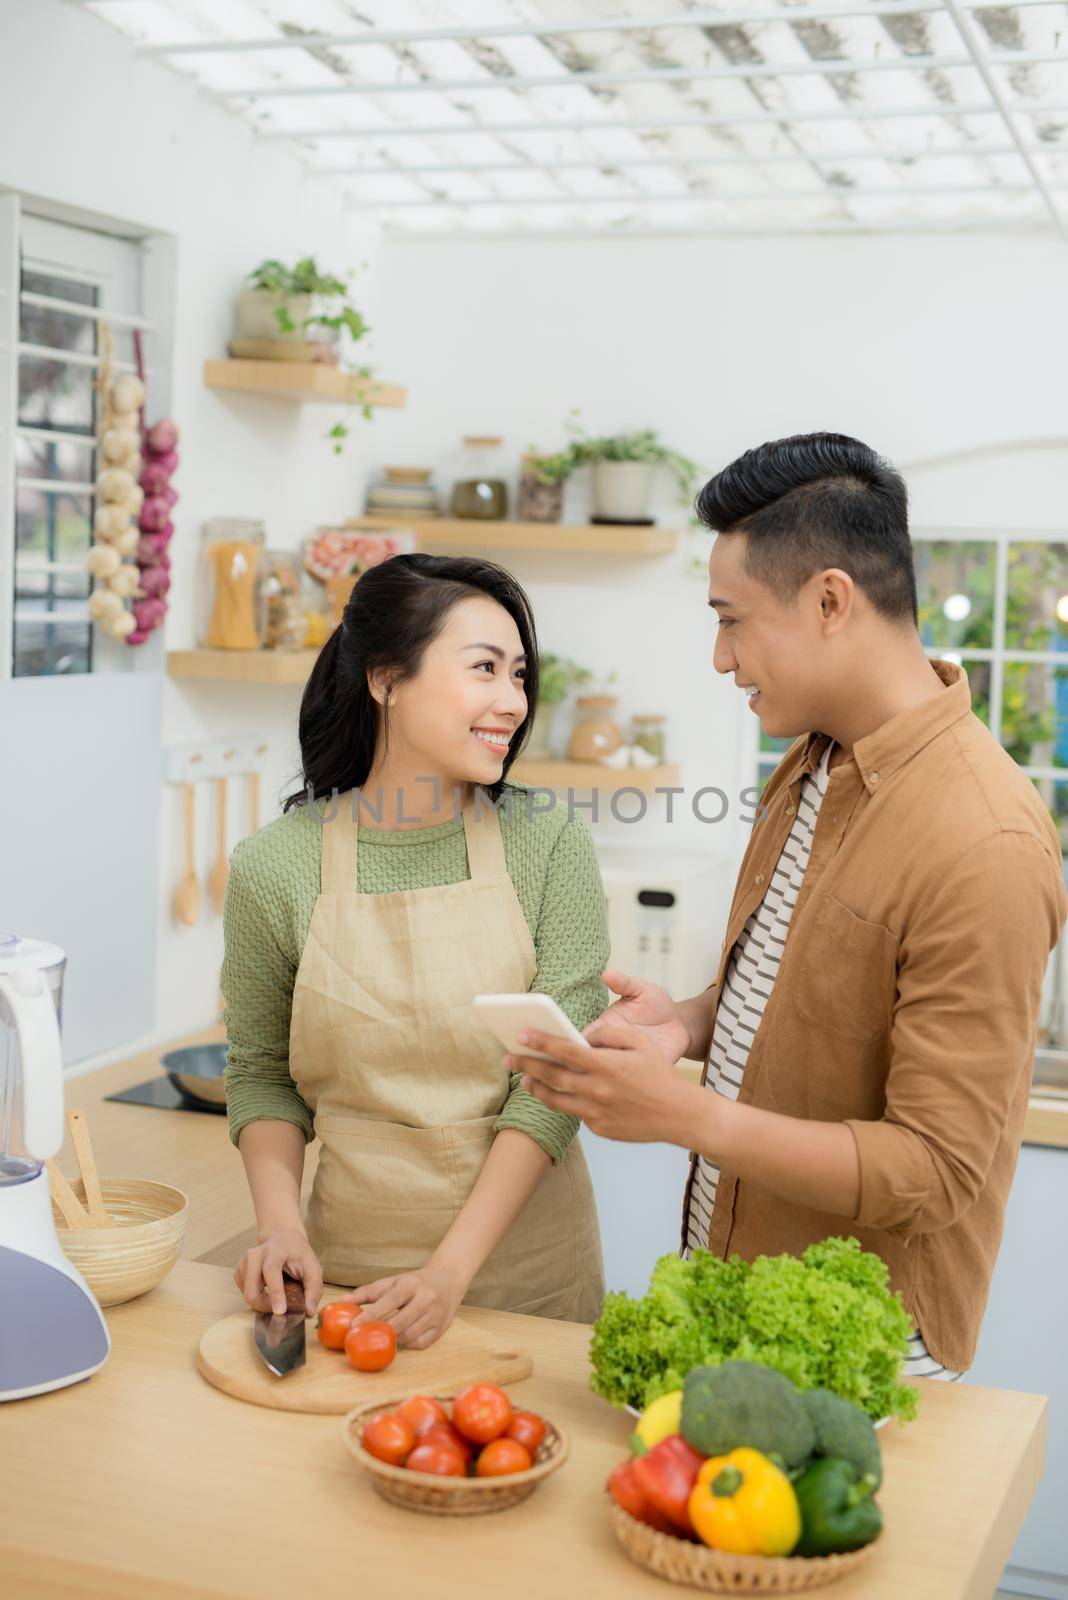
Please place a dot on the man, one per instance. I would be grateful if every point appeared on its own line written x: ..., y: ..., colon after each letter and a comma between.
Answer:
x: 869, y: 1036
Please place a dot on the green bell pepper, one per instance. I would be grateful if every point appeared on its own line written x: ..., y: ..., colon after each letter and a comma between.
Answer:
x: 837, y: 1510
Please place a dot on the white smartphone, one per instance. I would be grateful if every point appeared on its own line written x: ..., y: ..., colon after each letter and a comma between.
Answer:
x: 507, y: 1015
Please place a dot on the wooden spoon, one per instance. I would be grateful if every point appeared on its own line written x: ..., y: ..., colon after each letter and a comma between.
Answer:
x: 218, y: 875
x: 187, y: 894
x: 74, y: 1213
x: 99, y: 1216
x: 253, y: 801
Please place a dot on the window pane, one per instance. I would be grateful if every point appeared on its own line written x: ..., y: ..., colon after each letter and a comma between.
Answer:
x: 57, y: 526
x: 40, y: 458
x: 1037, y: 615
x: 53, y: 394
x: 33, y: 581
x: 45, y: 649
x: 955, y: 591
x: 1034, y: 715
x: 85, y: 294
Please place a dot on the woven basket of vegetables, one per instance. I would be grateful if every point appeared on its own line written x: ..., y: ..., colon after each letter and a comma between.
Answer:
x: 740, y: 1483
x: 717, y: 1572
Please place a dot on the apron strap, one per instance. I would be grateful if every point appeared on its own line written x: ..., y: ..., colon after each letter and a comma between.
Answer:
x: 485, y: 850
x: 337, y: 871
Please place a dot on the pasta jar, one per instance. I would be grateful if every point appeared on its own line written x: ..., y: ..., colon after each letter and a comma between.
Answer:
x: 596, y: 734
x: 229, y: 574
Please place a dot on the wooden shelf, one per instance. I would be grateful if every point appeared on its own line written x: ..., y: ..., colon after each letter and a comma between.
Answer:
x: 564, y: 775
x: 241, y: 666
x: 301, y: 380
x: 587, y: 538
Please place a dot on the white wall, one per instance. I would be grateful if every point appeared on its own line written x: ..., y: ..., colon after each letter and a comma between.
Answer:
x: 86, y: 125
x: 941, y: 350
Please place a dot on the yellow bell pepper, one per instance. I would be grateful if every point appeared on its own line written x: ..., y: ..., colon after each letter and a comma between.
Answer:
x: 744, y: 1504
x: 661, y: 1418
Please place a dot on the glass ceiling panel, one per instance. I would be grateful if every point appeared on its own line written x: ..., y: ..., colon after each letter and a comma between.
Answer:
x: 644, y: 115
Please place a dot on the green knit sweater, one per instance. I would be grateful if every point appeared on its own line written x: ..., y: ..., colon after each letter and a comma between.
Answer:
x: 272, y: 889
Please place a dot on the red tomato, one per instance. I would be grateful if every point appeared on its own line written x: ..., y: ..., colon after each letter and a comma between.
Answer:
x: 500, y: 1457
x: 528, y: 1429
x: 389, y: 1439
x: 445, y: 1433
x: 334, y: 1323
x: 370, y: 1346
x: 442, y: 1459
x: 481, y: 1412
x: 421, y: 1413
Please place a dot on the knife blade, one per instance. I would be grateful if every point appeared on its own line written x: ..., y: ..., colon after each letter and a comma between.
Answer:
x: 280, y: 1340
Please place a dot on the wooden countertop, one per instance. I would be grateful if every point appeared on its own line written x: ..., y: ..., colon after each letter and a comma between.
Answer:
x: 147, y: 1481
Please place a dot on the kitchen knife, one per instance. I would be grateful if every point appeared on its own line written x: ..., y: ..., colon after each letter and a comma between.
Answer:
x: 280, y: 1338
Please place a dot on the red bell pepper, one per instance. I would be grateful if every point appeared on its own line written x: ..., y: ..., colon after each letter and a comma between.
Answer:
x: 623, y: 1488
x: 666, y: 1475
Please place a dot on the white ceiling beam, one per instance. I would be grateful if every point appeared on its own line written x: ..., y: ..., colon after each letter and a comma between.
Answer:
x: 983, y: 60
x: 835, y: 67
x: 770, y: 196
x: 682, y: 163
x: 843, y: 113
x: 552, y: 30
x: 400, y: 232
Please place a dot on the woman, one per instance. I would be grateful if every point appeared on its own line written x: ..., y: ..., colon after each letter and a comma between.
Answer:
x: 353, y: 952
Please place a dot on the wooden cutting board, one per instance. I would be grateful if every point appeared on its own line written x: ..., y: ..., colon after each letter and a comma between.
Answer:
x: 328, y: 1383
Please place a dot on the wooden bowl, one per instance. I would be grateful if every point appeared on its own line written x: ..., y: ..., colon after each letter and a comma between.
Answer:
x: 120, y: 1263
x: 450, y: 1497
x: 718, y: 1572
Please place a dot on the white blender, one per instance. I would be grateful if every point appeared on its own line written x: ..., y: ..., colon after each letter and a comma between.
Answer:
x: 51, y: 1329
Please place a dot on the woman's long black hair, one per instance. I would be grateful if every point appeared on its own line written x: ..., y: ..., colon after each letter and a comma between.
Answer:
x: 395, y: 611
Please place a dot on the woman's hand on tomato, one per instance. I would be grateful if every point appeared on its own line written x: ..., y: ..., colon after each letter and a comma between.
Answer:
x: 335, y: 1320
x: 260, y: 1272
x: 419, y: 1306
x: 370, y: 1346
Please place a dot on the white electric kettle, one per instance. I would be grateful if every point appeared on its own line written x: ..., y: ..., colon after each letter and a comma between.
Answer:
x: 51, y: 1329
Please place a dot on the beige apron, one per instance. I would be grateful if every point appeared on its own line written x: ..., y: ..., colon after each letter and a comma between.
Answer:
x: 406, y: 1084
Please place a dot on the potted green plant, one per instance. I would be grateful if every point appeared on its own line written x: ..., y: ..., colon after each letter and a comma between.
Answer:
x: 286, y: 306
x: 623, y: 466
x: 541, y: 485
x: 557, y: 676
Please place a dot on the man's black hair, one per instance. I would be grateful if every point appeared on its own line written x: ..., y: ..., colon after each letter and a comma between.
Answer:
x: 813, y: 501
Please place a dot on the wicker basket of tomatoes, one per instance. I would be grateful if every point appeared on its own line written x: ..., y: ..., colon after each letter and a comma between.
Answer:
x: 482, y: 1456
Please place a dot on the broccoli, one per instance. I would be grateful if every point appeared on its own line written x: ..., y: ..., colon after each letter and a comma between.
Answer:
x: 744, y: 1403
x: 845, y: 1431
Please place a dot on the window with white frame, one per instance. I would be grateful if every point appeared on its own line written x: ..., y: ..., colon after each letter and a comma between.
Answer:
x: 997, y: 603
x: 57, y: 282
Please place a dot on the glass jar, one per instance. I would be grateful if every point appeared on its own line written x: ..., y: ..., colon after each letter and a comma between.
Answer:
x: 315, y: 609
x: 596, y: 734
x: 649, y: 733
x: 478, y: 494
x: 283, y: 611
x: 229, y: 573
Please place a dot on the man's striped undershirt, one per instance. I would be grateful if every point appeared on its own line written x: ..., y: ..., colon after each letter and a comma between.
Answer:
x: 747, y: 986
